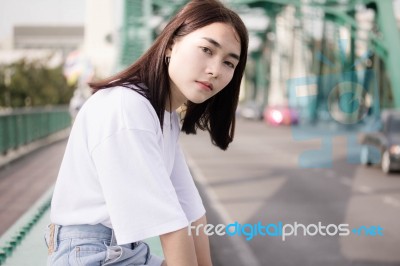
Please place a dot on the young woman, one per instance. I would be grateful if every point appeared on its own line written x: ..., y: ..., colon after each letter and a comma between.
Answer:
x: 123, y: 177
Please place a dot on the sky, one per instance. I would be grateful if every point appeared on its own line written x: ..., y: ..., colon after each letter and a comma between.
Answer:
x: 40, y: 12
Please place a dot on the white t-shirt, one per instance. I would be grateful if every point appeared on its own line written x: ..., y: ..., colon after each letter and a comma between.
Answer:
x: 121, y: 170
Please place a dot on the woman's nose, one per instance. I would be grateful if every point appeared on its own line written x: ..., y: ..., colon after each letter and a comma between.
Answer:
x: 213, y: 69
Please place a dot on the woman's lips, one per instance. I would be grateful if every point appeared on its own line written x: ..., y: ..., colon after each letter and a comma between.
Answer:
x: 205, y: 85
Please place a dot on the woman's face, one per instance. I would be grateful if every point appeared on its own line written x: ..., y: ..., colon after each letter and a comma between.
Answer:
x: 202, y: 63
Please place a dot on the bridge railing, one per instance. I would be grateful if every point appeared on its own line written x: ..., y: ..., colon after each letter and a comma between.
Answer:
x: 19, y: 127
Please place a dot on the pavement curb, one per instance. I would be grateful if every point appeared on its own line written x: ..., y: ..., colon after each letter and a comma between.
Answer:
x: 15, y: 235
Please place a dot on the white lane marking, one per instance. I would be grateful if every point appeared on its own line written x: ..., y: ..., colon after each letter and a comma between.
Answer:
x: 391, y: 201
x: 362, y: 188
x: 245, y: 254
x: 365, y: 189
x: 346, y: 181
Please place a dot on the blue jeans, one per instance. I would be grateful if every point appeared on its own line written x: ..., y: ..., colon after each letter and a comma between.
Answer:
x: 91, y: 245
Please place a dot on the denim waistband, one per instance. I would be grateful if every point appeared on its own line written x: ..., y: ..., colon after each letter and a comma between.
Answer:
x: 85, y: 231
x: 137, y: 253
x: 98, y: 231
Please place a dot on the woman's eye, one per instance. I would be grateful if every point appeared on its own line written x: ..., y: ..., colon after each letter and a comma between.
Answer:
x: 229, y: 64
x: 206, y: 50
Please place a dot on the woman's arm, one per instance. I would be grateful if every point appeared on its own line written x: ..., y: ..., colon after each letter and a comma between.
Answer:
x: 178, y: 248
x: 201, y: 243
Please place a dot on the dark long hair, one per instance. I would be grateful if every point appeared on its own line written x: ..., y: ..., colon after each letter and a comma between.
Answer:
x: 149, y: 74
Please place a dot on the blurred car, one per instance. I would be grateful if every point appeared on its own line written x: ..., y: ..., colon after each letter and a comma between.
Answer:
x: 383, y: 147
x: 281, y: 115
x: 251, y: 110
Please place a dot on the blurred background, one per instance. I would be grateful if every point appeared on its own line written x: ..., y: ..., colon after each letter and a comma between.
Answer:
x: 318, y: 126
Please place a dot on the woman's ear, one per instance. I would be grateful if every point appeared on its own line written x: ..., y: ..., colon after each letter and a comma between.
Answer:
x: 168, y: 52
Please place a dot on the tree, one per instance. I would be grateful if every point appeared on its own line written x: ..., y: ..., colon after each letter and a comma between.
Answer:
x: 33, y: 83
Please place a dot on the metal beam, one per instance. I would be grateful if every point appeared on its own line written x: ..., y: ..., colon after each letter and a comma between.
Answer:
x: 387, y: 46
x: 391, y: 37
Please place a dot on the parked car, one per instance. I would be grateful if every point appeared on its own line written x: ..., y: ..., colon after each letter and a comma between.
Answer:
x: 250, y: 110
x: 383, y: 147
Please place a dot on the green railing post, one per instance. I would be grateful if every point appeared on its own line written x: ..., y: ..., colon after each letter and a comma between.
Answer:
x: 3, y: 128
x: 22, y: 126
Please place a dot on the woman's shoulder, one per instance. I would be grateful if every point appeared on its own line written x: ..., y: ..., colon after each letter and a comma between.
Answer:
x: 117, y: 93
x: 123, y: 105
x: 119, y: 97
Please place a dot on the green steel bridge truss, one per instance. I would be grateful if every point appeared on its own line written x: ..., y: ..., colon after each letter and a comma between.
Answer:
x: 139, y: 30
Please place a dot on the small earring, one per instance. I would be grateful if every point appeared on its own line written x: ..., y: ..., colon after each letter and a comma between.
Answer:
x: 167, y: 59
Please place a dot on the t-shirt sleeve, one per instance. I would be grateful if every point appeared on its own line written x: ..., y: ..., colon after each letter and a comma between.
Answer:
x: 185, y: 187
x: 138, y: 191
